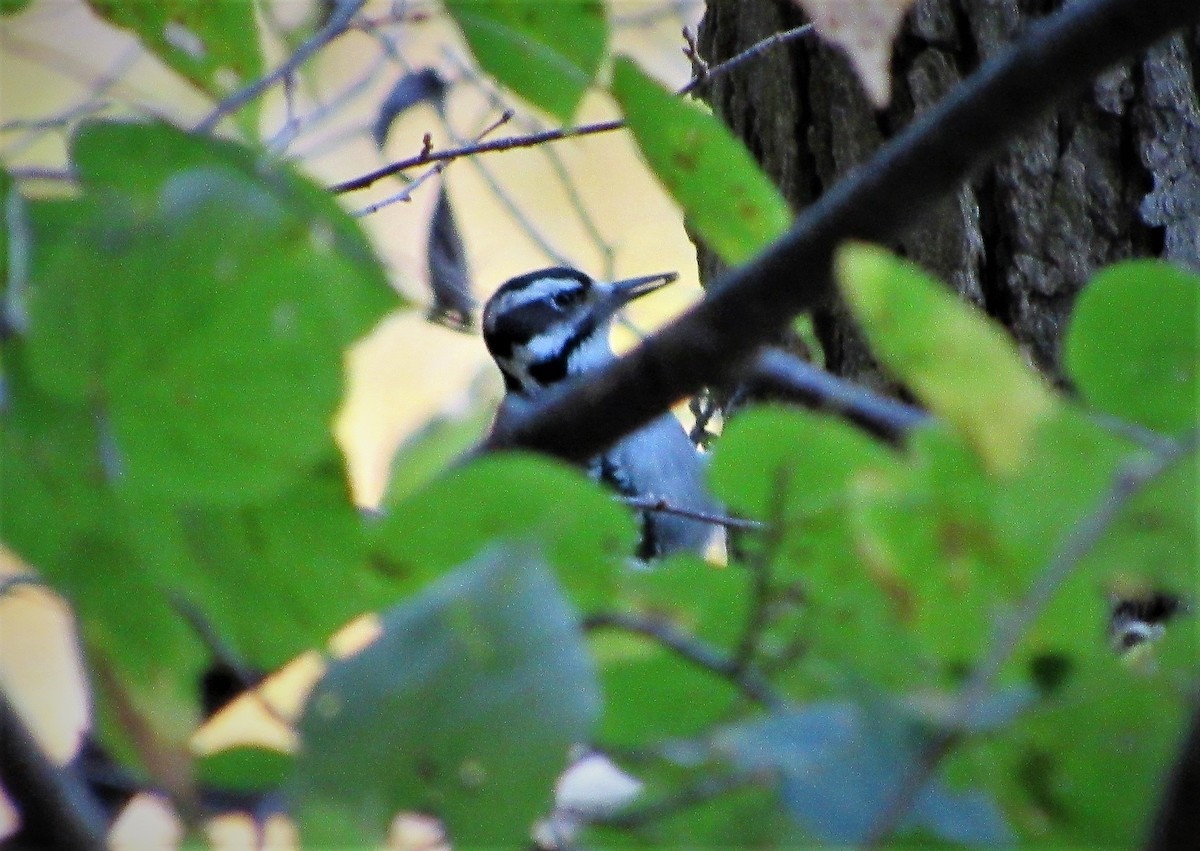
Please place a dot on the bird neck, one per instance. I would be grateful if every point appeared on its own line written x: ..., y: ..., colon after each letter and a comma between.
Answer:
x: 532, y: 375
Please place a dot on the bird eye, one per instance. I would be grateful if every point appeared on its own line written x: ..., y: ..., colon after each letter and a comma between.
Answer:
x: 567, y: 298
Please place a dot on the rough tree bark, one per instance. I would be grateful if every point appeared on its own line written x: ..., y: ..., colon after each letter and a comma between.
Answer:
x: 1115, y: 173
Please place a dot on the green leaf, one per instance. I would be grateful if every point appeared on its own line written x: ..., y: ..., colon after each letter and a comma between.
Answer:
x: 244, y: 769
x: 776, y: 461
x: 425, y: 455
x: 274, y: 578
x: 214, y: 45
x: 141, y: 161
x: 959, y: 363
x: 270, y: 580
x: 840, y: 765
x: 710, y: 174
x: 651, y: 693
x: 51, y: 468
x: 1133, y: 344
x: 1087, y: 768
x: 465, y: 707
x: 202, y: 311
x: 1153, y: 544
x: 11, y: 7
x: 548, y: 53
x: 584, y: 532
x: 929, y: 528
x: 811, y: 476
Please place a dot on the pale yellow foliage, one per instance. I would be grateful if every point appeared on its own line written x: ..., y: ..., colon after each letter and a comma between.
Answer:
x: 865, y: 30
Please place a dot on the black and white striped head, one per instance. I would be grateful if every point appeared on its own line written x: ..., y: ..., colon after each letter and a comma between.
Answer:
x: 545, y: 326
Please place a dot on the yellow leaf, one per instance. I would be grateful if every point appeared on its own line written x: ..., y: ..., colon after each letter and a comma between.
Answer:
x: 865, y: 30
x: 959, y: 363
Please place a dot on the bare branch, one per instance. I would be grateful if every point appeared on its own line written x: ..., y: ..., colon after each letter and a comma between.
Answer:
x: 406, y: 193
x: 691, y: 649
x: 778, y: 374
x: 540, y: 138
x: 661, y: 505
x: 752, y: 52
x: 568, y: 183
x: 337, y: 25
x: 506, y: 144
x: 57, y: 811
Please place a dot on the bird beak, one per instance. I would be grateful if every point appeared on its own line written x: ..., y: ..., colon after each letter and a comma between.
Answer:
x: 620, y: 293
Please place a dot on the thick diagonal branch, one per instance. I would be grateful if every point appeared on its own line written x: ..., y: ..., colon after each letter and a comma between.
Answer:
x: 881, y: 199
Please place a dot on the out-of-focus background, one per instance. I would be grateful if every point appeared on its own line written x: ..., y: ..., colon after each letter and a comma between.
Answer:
x: 587, y: 201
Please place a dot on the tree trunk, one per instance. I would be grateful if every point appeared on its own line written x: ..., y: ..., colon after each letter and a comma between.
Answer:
x: 1115, y: 173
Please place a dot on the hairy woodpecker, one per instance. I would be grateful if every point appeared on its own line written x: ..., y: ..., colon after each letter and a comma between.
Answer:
x: 551, y: 325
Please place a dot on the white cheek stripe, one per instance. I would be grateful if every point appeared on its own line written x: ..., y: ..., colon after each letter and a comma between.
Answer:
x: 540, y: 289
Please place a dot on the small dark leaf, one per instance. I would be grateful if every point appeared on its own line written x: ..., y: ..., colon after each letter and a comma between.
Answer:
x: 449, y: 277
x: 423, y: 86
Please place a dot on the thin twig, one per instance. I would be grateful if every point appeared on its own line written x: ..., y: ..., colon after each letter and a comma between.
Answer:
x: 91, y: 103
x: 306, y: 123
x: 406, y: 193
x: 691, y: 649
x: 1130, y: 479
x: 338, y: 24
x: 650, y: 503
x: 760, y: 570
x: 23, y: 580
x: 534, y: 139
x: 56, y: 810
x: 524, y: 222
x: 167, y: 766
x: 506, y: 144
x: 752, y: 52
x: 530, y: 125
x: 63, y: 175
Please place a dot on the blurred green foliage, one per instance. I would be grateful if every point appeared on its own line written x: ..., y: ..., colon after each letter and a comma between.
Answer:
x: 172, y: 359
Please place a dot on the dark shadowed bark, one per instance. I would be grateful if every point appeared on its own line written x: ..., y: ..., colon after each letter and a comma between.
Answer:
x: 1113, y: 173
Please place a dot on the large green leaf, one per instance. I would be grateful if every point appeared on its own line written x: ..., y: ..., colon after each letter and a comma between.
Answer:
x: 203, y: 314
x: 586, y: 534
x: 1133, y: 344
x: 929, y: 528
x: 812, y: 477
x: 772, y: 461
x: 956, y: 361
x: 465, y: 707
x: 840, y: 766
x: 274, y: 578
x: 139, y: 161
x: 546, y: 52
x: 214, y: 45
x: 1086, y: 768
x: 270, y: 580
x: 710, y: 174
